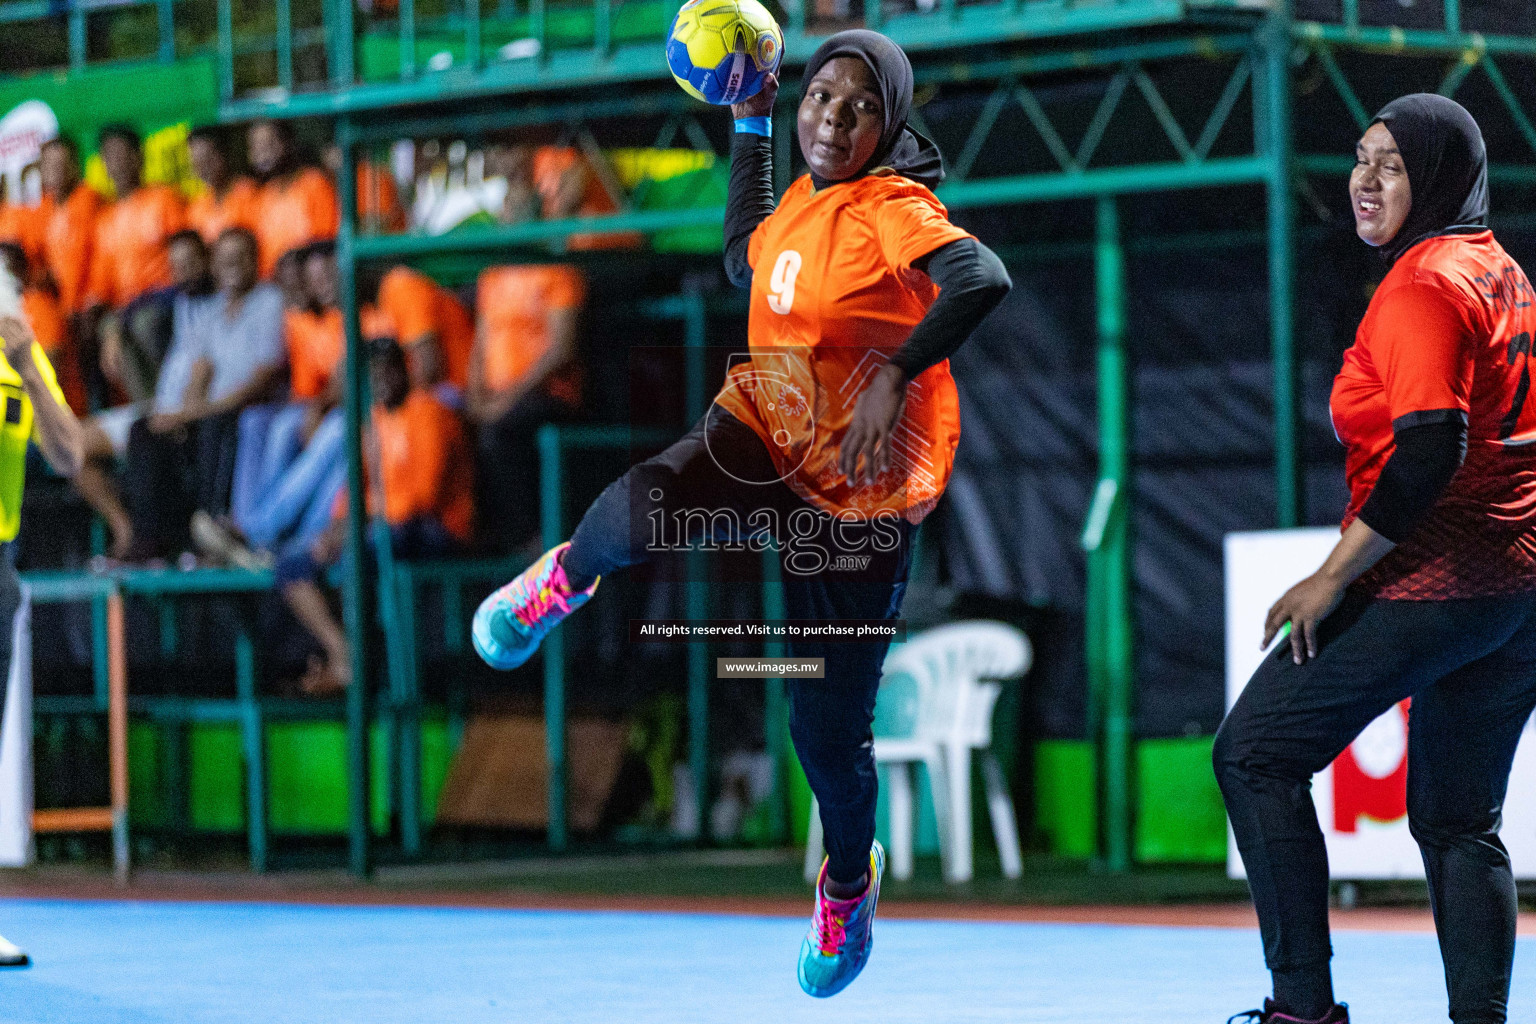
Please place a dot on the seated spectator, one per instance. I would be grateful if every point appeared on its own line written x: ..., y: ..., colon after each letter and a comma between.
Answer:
x: 557, y: 182
x: 69, y: 211
x: 378, y: 197
x: 227, y: 200
x: 292, y: 458
x: 135, y: 339
x: 420, y: 479
x: 297, y: 204
x: 523, y: 373
x: 49, y: 326
x: 515, y: 164
x: 134, y: 347
x: 289, y: 278
x: 22, y: 226
x: 130, y: 255
x: 569, y: 184
x: 227, y: 353
x: 432, y: 325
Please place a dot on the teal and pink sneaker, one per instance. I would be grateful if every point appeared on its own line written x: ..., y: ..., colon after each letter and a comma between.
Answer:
x: 510, y: 624
x: 841, y: 936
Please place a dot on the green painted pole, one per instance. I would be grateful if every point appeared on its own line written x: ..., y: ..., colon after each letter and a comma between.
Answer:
x: 355, y: 593
x: 554, y: 643
x: 602, y: 29
x: 285, y: 45
x: 776, y: 703
x: 472, y: 33
x: 407, y: 39
x: 226, y: 19
x: 695, y: 329
x: 1113, y: 555
x: 1276, y: 145
x: 165, y: 18
x: 340, y: 41
x: 101, y: 668
x: 253, y: 734
x: 77, y: 38
x: 411, y: 716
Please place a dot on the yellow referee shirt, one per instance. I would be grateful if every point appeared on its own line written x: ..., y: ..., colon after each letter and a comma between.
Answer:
x: 15, y: 431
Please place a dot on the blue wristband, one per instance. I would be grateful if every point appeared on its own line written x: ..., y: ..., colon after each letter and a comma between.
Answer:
x: 755, y: 126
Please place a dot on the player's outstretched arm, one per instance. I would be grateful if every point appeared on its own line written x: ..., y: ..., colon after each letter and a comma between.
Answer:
x: 749, y: 198
x: 57, y: 431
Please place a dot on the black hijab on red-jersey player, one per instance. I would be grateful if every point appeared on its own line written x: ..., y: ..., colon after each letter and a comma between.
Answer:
x: 1442, y: 150
x: 901, y: 148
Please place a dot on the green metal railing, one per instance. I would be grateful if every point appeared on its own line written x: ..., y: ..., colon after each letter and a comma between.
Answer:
x: 545, y: 45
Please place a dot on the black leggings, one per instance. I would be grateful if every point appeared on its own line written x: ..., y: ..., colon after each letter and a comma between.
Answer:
x: 830, y: 718
x: 1470, y: 667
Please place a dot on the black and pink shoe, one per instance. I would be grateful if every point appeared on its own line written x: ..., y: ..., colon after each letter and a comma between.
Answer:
x: 1269, y: 1015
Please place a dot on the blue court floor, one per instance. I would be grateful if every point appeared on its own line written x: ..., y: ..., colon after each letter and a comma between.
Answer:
x: 220, y: 963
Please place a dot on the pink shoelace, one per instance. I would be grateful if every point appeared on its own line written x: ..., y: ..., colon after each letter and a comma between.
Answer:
x: 831, y: 922
x: 549, y: 589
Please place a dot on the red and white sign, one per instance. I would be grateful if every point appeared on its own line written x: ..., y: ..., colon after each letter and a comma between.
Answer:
x: 1362, y: 798
x: 22, y: 134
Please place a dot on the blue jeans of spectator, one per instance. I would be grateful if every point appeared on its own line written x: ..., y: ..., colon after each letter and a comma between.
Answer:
x: 287, y: 490
x: 269, y: 441
x: 830, y: 719
x: 1470, y: 667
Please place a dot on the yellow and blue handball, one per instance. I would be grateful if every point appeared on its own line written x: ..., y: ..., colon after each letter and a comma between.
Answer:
x: 721, y: 50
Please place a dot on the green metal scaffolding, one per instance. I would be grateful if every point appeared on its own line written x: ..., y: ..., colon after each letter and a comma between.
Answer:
x: 1125, y: 46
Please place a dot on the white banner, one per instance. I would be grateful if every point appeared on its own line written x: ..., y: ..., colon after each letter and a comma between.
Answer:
x: 16, y: 745
x: 22, y: 133
x: 1362, y: 797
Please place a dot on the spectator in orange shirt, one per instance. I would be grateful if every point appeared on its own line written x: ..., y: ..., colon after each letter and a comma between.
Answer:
x: 420, y: 478
x: 571, y: 185
x: 49, y: 326
x: 523, y: 373
x: 69, y: 211
x: 297, y: 204
x: 130, y: 255
x: 22, y: 225
x: 432, y: 325
x: 227, y: 200
x: 378, y: 197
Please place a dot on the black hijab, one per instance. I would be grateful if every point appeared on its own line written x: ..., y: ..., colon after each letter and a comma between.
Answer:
x: 1442, y: 149
x: 901, y: 149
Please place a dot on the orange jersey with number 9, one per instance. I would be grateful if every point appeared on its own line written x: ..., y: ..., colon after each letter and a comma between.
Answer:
x: 834, y: 295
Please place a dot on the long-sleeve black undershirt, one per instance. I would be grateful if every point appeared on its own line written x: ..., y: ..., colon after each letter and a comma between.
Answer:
x: 970, y: 277
x: 1422, y: 464
x: 748, y: 201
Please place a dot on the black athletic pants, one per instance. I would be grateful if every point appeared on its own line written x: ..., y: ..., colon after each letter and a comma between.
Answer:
x: 508, y: 463
x: 1470, y: 667
x: 708, y: 472
x: 169, y: 476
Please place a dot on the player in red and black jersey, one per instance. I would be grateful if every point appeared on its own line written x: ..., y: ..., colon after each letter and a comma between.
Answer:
x: 1431, y: 591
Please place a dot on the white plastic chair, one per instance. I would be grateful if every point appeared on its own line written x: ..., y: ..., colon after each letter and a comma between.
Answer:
x: 954, y: 670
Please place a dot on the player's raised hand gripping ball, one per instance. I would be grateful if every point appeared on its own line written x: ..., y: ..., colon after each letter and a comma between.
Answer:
x: 720, y: 51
